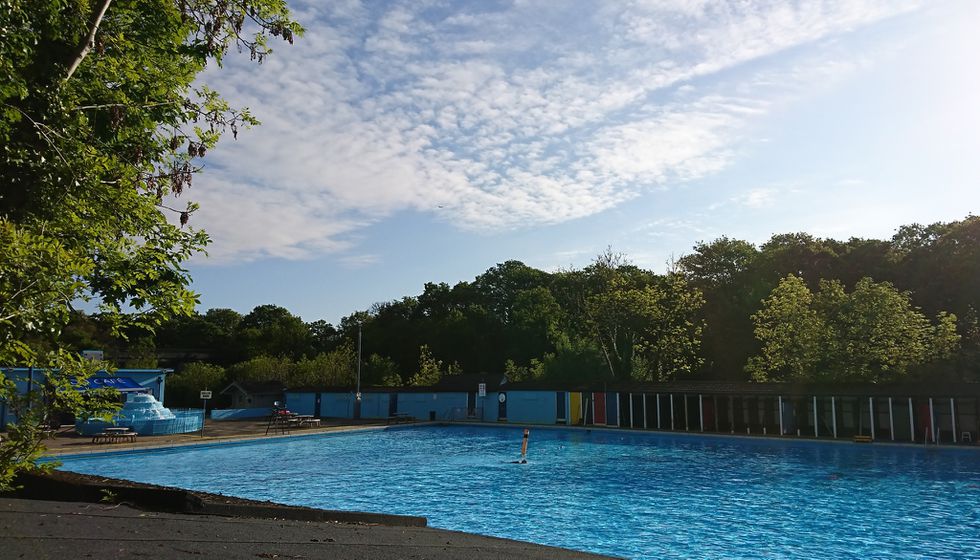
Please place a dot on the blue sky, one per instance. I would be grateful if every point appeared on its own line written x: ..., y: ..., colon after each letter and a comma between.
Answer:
x: 405, y: 142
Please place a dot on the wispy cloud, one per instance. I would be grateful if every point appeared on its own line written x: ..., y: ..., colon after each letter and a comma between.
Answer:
x: 501, y: 117
x: 359, y: 261
x: 757, y: 198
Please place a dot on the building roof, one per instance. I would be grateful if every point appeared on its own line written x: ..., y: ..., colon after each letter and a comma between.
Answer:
x: 460, y: 383
x: 903, y: 389
x: 117, y: 371
x: 497, y: 382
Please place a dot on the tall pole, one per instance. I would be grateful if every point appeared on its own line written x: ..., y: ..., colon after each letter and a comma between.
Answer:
x: 952, y: 416
x: 204, y: 415
x: 779, y: 405
x: 891, y: 418
x: 816, y: 426
x: 701, y: 410
x: 357, y: 396
x: 358, y: 360
x: 871, y: 415
x: 833, y: 415
x: 911, y: 420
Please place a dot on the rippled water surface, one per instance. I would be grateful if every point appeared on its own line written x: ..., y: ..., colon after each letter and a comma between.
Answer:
x: 625, y: 494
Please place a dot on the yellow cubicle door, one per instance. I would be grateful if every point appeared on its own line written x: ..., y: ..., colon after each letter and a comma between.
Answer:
x: 574, y: 408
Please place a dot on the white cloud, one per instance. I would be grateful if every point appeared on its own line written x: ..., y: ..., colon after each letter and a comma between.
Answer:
x: 500, y: 119
x: 757, y: 198
x: 359, y: 261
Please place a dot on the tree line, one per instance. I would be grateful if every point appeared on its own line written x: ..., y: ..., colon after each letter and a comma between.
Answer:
x: 796, y: 308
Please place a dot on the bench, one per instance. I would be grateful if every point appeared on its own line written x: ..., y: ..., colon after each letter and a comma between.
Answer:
x: 400, y: 417
x: 114, y: 437
x: 310, y: 422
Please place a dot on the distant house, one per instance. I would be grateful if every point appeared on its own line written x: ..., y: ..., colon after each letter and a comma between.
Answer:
x: 245, y: 394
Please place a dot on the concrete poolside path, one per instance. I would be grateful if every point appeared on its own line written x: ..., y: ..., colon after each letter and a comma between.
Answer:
x: 41, y: 530
x: 68, y: 442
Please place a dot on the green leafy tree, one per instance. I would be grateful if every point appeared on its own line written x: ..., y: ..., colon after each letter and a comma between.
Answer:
x: 55, y: 392
x: 671, y: 331
x: 726, y: 272
x: 210, y: 336
x: 324, y: 337
x: 630, y: 313
x: 500, y: 286
x: 654, y: 325
x: 184, y: 387
x: 261, y: 368
x: 330, y: 369
x: 876, y: 333
x: 429, y: 371
x: 141, y: 352
x: 534, y: 370
x: 389, y: 328
x: 274, y: 331
x: 870, y: 334
x: 381, y: 370
x: 793, y: 335
x: 100, y: 128
x: 535, y: 324
x: 596, y: 310
x: 722, y: 262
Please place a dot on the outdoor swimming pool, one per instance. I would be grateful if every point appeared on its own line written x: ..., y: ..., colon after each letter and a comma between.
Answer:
x: 640, y: 495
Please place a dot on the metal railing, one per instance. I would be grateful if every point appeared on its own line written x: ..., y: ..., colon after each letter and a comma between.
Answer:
x: 185, y: 420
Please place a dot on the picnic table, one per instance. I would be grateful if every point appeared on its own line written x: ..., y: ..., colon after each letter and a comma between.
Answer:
x: 115, y: 435
x: 308, y: 420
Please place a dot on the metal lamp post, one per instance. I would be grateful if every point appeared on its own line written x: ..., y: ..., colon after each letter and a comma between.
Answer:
x: 357, y: 395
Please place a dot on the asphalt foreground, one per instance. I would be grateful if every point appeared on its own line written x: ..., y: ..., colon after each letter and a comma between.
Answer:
x: 41, y: 530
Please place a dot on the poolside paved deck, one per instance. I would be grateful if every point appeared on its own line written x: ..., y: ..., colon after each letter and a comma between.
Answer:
x: 66, y: 441
x: 42, y: 530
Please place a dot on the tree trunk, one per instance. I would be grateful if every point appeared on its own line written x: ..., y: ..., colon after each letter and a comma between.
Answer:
x: 89, y: 42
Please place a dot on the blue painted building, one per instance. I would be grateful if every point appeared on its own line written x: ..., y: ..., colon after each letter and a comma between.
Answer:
x: 899, y: 412
x: 153, y: 381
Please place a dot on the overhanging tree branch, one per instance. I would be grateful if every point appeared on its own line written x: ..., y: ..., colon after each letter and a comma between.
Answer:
x: 89, y: 43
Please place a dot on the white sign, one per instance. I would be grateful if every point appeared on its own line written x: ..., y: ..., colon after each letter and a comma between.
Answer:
x: 205, y: 395
x: 482, y: 389
x: 93, y: 355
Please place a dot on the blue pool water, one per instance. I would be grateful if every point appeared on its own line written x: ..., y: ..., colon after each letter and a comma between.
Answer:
x: 634, y: 495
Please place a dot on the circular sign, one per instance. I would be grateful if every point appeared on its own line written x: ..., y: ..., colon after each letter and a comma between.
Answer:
x: 502, y: 397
